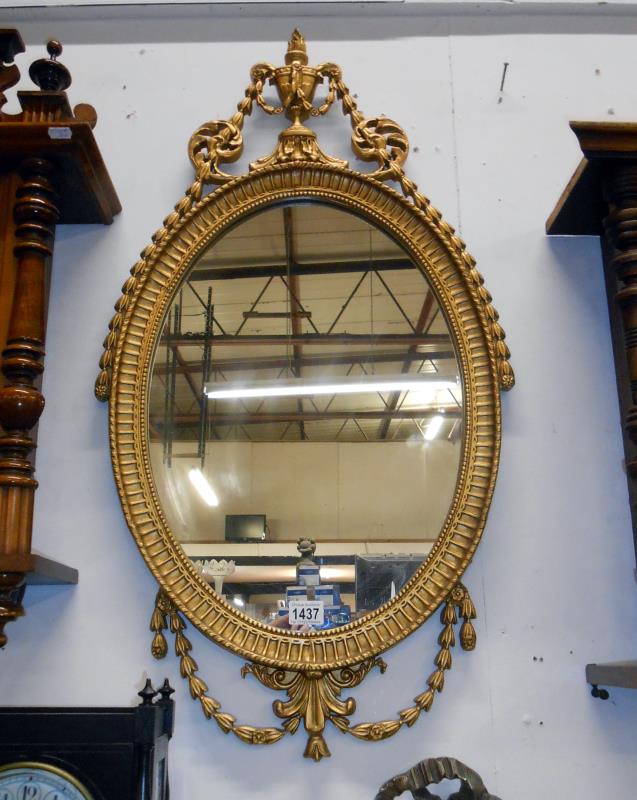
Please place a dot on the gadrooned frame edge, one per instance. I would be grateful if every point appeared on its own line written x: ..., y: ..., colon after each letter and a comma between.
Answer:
x: 434, y: 251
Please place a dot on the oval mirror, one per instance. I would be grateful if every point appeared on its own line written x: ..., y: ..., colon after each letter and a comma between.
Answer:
x: 304, y: 374
x: 305, y: 387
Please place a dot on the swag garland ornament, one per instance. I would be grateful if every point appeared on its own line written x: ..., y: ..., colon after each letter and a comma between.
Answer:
x: 314, y: 697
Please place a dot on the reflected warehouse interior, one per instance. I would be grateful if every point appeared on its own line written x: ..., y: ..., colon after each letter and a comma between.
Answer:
x: 306, y: 414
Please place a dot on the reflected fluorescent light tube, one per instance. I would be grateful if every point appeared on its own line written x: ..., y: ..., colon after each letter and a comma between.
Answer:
x: 198, y: 480
x: 295, y: 387
x: 432, y: 430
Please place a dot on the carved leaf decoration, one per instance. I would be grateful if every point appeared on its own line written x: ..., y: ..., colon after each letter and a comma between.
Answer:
x: 258, y: 735
x: 316, y: 748
x: 443, y: 659
x: 436, y: 680
x: 410, y: 715
x: 382, y: 140
x: 214, y: 142
x: 182, y: 646
x: 375, y: 730
x: 158, y: 620
x: 176, y: 624
x: 467, y: 609
x: 197, y: 687
x: 447, y: 637
x: 187, y: 667
x: 448, y: 615
x: 342, y: 723
x: 159, y: 647
x: 225, y: 721
x: 425, y: 700
x: 291, y: 725
x: 468, y: 636
x: 209, y: 706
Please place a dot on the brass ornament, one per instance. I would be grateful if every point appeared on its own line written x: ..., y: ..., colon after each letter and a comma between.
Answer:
x: 432, y: 771
x: 313, y: 669
x: 315, y: 695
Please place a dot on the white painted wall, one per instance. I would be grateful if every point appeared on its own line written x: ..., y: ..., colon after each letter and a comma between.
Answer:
x: 553, y: 580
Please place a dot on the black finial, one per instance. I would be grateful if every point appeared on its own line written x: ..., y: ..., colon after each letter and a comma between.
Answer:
x: 10, y: 45
x: 166, y: 690
x: 47, y: 73
x: 147, y: 693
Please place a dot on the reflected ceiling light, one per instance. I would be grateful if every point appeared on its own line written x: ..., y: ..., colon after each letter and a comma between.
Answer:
x: 238, y: 601
x: 432, y: 430
x: 295, y: 387
x: 198, y: 480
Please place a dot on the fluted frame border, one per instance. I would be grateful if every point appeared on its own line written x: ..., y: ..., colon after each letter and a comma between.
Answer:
x: 439, y: 255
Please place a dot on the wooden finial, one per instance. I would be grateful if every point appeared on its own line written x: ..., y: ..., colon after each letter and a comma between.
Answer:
x: 166, y: 690
x: 147, y: 693
x: 47, y: 73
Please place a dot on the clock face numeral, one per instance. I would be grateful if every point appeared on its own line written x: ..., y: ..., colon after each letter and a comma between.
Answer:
x: 39, y: 782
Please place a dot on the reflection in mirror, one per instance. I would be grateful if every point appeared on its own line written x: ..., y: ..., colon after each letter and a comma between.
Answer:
x: 305, y: 416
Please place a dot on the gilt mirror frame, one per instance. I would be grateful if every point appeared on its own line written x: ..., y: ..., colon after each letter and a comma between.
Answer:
x: 312, y: 668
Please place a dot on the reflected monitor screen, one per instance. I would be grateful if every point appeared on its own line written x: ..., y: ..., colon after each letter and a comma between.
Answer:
x: 245, y: 527
x: 375, y: 575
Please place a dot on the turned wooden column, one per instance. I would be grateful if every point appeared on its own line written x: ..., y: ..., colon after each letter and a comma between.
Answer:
x: 619, y: 183
x: 50, y: 160
x: 21, y: 402
x: 601, y: 200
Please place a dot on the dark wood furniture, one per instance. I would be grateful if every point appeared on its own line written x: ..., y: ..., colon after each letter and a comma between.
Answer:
x: 51, y: 172
x: 117, y: 753
x: 601, y: 200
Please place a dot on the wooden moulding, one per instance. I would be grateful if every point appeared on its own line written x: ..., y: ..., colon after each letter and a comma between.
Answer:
x: 601, y: 200
x: 51, y: 171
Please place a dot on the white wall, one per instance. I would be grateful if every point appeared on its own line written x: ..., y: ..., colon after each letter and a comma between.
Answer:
x: 553, y: 580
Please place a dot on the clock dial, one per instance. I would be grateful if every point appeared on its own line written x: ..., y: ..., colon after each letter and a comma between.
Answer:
x: 37, y: 781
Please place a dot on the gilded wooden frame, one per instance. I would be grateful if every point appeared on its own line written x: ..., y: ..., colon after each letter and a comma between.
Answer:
x: 129, y: 433
x: 299, y: 169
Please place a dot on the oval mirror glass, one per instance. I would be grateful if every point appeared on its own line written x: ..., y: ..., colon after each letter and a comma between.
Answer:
x: 305, y: 416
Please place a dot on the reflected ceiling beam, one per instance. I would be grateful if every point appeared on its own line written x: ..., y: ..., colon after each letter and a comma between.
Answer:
x: 293, y: 290
x: 453, y: 412
x: 408, y: 339
x: 358, y: 357
x: 307, y: 268
x: 181, y: 369
x: 181, y: 364
x: 421, y: 322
